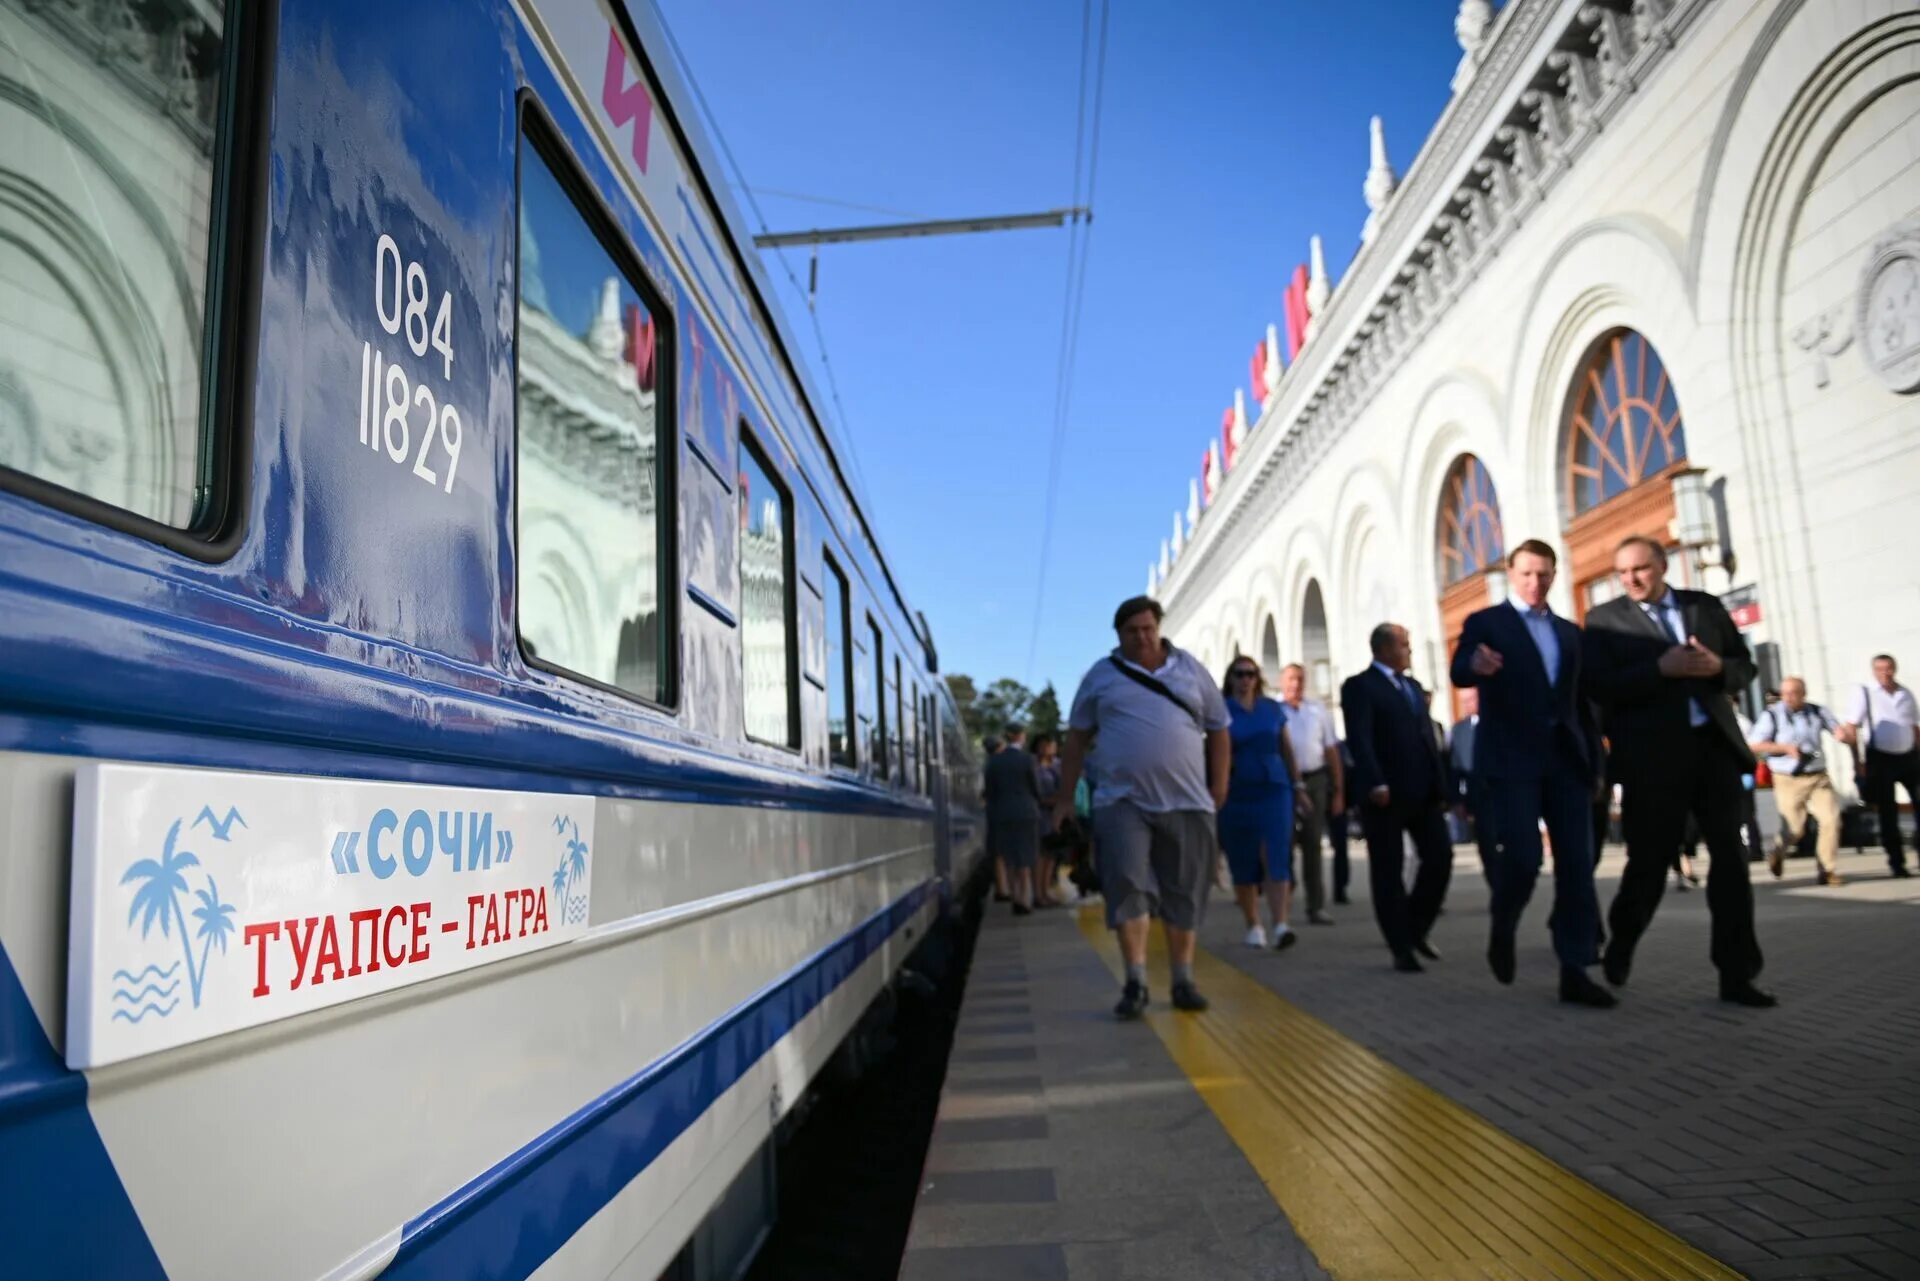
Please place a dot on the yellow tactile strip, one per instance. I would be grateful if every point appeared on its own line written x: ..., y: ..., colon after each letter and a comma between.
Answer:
x: 1381, y: 1175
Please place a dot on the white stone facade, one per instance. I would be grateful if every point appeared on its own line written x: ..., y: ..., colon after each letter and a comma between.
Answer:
x: 1737, y: 182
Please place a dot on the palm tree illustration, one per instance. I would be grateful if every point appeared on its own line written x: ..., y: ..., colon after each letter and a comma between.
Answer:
x: 573, y: 858
x: 158, y: 899
x: 576, y: 856
x: 216, y: 923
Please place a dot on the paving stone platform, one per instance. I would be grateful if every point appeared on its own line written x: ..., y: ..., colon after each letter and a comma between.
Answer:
x: 1070, y: 1146
x: 1785, y: 1143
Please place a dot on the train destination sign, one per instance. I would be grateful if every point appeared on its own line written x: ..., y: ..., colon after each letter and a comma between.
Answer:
x: 205, y: 902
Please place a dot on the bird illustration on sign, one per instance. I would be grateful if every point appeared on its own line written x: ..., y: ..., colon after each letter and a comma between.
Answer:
x: 221, y: 826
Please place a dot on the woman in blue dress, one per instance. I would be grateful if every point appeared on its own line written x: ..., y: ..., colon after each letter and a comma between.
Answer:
x: 1256, y: 823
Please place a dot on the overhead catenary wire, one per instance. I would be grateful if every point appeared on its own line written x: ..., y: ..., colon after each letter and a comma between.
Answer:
x: 1086, y: 147
x: 826, y: 200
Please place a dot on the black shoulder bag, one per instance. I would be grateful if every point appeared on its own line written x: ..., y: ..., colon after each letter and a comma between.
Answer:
x: 1159, y: 687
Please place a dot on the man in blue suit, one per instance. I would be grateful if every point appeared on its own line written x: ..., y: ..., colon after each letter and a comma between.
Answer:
x: 1536, y: 757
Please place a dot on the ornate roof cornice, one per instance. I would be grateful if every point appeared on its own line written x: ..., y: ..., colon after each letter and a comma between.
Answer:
x: 1550, y: 76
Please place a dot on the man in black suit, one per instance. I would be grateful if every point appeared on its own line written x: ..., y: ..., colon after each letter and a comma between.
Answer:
x: 1660, y: 663
x: 1535, y: 759
x: 1401, y: 785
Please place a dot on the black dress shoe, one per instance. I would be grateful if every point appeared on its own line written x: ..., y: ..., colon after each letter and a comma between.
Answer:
x: 1616, y: 966
x: 1187, y: 997
x: 1901, y: 872
x: 1405, y: 963
x: 1500, y: 957
x: 1745, y: 993
x: 1342, y: 899
x: 1577, y: 989
x: 1427, y: 950
x: 1133, y: 1000
x: 1021, y: 909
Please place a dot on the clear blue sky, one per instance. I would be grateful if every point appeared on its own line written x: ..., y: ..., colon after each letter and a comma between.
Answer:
x: 1233, y: 130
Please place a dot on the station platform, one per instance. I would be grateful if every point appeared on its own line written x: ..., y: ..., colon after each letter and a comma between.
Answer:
x: 1329, y: 1117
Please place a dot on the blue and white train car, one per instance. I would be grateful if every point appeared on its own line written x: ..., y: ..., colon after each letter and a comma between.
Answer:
x: 466, y: 761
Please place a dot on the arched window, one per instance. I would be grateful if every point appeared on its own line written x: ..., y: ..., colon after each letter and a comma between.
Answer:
x: 1625, y: 425
x: 1469, y: 535
x: 1315, y: 650
x: 1270, y: 650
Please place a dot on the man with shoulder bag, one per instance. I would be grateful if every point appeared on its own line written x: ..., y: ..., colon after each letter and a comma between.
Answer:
x: 1789, y: 735
x: 1163, y: 764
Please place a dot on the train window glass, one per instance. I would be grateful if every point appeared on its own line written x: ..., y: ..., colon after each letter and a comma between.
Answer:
x: 115, y: 143
x: 900, y: 719
x: 594, y: 531
x: 767, y: 600
x: 933, y: 740
x: 840, y: 709
x: 878, y: 753
x: 920, y: 743
x: 934, y: 745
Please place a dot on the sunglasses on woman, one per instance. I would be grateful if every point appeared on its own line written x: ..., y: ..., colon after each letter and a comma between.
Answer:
x: 1247, y: 673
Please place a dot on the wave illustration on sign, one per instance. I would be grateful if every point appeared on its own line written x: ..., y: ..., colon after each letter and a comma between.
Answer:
x: 161, y: 887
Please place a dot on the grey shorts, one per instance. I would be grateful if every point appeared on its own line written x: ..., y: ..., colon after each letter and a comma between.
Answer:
x: 1154, y: 864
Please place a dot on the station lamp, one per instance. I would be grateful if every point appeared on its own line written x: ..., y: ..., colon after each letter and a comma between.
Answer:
x: 1695, y: 523
x: 1699, y: 520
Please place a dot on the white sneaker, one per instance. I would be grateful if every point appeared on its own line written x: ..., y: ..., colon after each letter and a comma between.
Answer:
x: 1256, y: 936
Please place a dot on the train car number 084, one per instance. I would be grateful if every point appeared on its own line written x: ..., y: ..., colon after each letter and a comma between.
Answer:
x: 388, y: 394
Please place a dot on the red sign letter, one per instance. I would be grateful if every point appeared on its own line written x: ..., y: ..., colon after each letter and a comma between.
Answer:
x: 625, y: 101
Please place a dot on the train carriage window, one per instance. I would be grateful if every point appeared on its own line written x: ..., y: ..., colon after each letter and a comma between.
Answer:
x: 767, y: 601
x: 595, y: 528
x: 899, y: 719
x: 931, y: 720
x: 878, y: 754
x: 123, y: 153
x: 923, y: 745
x: 840, y: 706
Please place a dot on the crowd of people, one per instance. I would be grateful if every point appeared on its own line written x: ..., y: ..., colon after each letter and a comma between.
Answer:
x: 1165, y: 770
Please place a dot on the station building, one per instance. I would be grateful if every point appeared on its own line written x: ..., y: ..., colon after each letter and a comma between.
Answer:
x: 1655, y: 270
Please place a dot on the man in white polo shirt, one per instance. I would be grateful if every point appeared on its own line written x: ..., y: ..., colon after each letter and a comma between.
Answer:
x: 1162, y: 764
x: 1886, y: 710
x: 1316, y: 749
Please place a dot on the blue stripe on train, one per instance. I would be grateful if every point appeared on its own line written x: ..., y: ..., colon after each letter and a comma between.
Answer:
x: 63, y: 1210
x: 508, y: 1221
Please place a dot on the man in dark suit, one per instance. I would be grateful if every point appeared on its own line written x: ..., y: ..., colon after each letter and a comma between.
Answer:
x: 1660, y: 663
x: 1400, y: 782
x: 1535, y: 759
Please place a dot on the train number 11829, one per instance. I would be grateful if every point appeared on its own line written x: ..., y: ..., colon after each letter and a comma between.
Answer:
x: 388, y: 394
